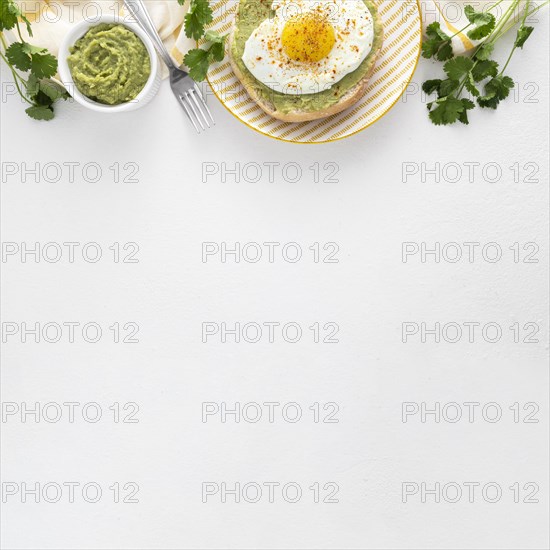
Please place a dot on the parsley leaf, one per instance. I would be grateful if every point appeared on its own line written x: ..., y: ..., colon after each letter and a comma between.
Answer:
x: 484, y: 51
x: 430, y: 46
x: 463, y: 115
x: 9, y: 12
x: 36, y: 88
x: 40, y: 112
x: 445, y: 52
x: 18, y: 57
x: 488, y: 101
x: 430, y: 86
x: 447, y: 87
x: 43, y: 65
x: 447, y: 111
x: 52, y: 89
x: 217, y: 50
x: 197, y: 62
x: 466, y: 73
x: 212, y: 36
x: 32, y: 85
x: 30, y: 49
x: 27, y: 24
x: 484, y: 69
x: 458, y: 67
x: 469, y: 84
x: 484, y: 23
x: 496, y: 90
x: 501, y: 86
x: 437, y: 43
x: 199, y: 15
x: 477, y: 17
x: 523, y: 34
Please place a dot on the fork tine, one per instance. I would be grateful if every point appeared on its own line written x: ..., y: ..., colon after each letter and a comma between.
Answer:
x: 204, y: 103
x: 198, y: 104
x: 183, y: 103
x: 190, y: 103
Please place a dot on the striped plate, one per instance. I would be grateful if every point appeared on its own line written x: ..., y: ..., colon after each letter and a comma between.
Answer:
x: 394, y: 69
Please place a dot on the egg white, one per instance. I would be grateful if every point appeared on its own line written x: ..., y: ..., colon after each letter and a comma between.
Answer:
x: 265, y: 58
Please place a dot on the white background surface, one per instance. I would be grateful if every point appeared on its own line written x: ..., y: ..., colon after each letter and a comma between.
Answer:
x: 370, y: 211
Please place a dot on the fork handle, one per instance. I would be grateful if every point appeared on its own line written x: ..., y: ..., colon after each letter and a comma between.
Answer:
x: 139, y: 11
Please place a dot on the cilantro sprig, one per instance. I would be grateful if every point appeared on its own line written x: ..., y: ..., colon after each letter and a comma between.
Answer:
x: 478, y: 75
x: 198, y: 60
x: 198, y: 15
x: 35, y: 85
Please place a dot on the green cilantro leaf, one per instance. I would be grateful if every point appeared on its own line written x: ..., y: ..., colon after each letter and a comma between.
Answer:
x: 447, y: 111
x: 43, y: 65
x: 484, y: 69
x: 445, y: 52
x: 217, y: 49
x: 523, y: 34
x: 199, y: 59
x: 32, y: 85
x: 501, y: 85
x: 458, y: 67
x: 496, y: 90
x: 213, y: 36
x: 489, y: 101
x: 477, y: 17
x: 469, y: 84
x: 430, y: 47
x: 30, y: 49
x: 18, y: 57
x: 40, y: 112
x: 9, y: 12
x: 431, y: 86
x: 479, y: 76
x: 434, y: 30
x: 484, y: 23
x: 199, y: 15
x: 437, y: 43
x: 27, y: 24
x: 52, y: 89
x: 484, y: 51
x: 36, y: 87
x: 463, y: 115
x: 197, y: 62
x: 481, y: 32
x: 447, y: 87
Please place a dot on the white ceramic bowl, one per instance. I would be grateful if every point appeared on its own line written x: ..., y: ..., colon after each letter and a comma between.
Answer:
x: 151, y: 86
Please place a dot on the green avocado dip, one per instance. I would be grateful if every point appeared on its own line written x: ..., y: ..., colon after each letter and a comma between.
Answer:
x: 109, y: 64
x: 250, y: 14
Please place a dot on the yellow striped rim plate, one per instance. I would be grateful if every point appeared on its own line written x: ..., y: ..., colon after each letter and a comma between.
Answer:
x: 393, y: 71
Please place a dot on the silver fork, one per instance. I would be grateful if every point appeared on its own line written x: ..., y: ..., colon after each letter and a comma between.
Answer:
x: 184, y: 87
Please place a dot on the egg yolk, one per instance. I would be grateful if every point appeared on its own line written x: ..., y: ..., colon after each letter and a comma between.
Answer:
x: 308, y: 38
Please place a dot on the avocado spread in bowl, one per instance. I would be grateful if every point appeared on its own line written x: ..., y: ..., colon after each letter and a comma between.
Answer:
x: 109, y: 64
x: 249, y: 16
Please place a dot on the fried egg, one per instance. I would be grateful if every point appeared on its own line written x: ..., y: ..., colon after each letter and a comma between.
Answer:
x: 309, y: 45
